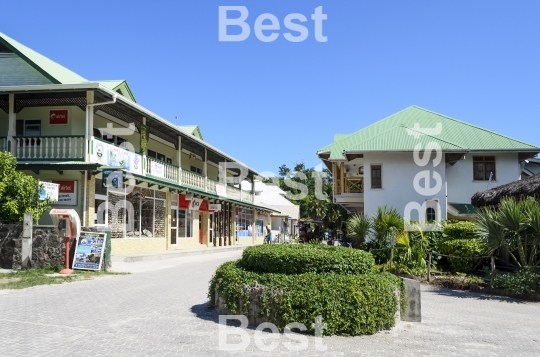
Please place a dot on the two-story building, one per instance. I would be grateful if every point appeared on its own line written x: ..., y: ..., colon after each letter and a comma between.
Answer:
x: 422, y: 163
x: 154, y: 184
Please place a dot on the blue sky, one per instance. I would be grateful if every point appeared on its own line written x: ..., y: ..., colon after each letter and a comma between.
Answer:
x: 276, y: 103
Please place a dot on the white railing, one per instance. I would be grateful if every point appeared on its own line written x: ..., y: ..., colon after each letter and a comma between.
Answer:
x: 247, y: 196
x: 192, y: 179
x: 234, y: 193
x: 158, y: 168
x: 49, y: 147
x: 212, y: 185
x: 4, y: 144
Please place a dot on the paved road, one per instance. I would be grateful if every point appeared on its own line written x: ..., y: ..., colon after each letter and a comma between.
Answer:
x: 161, y: 310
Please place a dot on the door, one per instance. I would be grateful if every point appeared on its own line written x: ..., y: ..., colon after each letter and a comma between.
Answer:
x: 200, y: 230
x: 174, y: 225
x: 211, y: 228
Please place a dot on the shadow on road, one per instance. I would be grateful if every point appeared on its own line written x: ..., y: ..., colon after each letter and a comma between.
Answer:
x: 471, y: 295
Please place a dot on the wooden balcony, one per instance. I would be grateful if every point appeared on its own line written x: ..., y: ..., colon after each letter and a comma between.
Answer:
x: 161, y: 169
x: 53, y: 148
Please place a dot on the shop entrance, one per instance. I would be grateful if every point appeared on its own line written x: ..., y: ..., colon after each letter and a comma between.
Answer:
x: 211, y: 228
x: 174, y: 225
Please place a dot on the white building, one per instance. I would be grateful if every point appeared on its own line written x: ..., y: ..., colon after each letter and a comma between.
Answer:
x: 376, y: 166
x: 273, y: 197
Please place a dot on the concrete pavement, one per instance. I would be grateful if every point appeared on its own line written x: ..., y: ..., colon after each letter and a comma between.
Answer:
x: 161, y: 310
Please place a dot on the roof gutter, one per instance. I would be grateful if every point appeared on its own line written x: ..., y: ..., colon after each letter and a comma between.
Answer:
x: 144, y: 111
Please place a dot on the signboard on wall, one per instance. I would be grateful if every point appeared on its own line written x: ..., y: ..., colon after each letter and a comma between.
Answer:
x: 195, y: 204
x: 89, y: 251
x: 214, y: 207
x: 157, y: 169
x: 110, y: 155
x: 114, y: 179
x: 59, y: 116
x: 67, y: 193
x: 49, y: 191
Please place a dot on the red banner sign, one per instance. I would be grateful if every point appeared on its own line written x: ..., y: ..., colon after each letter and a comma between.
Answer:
x: 58, y: 116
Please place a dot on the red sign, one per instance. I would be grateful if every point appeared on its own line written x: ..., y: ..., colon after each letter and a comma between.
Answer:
x: 66, y: 186
x: 58, y: 116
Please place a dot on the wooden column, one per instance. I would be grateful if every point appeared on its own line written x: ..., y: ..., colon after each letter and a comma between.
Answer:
x: 12, y: 124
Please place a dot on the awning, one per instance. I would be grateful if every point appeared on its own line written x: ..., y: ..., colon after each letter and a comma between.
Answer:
x: 461, y: 210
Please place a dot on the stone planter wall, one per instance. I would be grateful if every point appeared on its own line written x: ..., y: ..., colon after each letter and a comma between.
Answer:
x: 48, y: 249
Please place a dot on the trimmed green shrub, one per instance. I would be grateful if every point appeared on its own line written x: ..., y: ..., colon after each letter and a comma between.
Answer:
x: 464, y: 248
x: 459, y: 230
x: 524, y: 281
x: 306, y: 258
x: 350, y: 304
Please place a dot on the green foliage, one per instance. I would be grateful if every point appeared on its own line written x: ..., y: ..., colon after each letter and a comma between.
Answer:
x: 524, y: 281
x: 354, y: 304
x: 312, y: 204
x: 359, y: 227
x: 459, y: 230
x: 387, y: 223
x: 515, y: 225
x: 305, y: 258
x: 464, y: 248
x: 19, y: 193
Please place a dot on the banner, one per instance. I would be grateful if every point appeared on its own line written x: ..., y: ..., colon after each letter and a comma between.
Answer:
x: 110, y: 155
x: 48, y: 190
x: 157, y: 169
x: 144, y: 138
x: 214, y: 207
x: 67, y: 193
x: 89, y: 251
x: 221, y: 190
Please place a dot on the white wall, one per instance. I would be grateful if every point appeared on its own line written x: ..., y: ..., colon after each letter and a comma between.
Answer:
x: 461, y: 185
x: 398, y: 172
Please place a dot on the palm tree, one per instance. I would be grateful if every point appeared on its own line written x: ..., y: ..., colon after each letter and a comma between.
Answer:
x: 358, y: 227
x: 515, y: 225
x: 387, y: 223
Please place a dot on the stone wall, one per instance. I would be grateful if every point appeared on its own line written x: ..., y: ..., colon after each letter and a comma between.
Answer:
x: 48, y: 249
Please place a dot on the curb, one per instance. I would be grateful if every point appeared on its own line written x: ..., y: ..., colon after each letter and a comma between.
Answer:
x: 178, y: 254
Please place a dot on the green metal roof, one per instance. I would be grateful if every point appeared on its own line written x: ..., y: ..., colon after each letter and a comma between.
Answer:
x: 192, y: 129
x: 55, y: 72
x: 119, y: 84
x: 464, y: 208
x: 400, y: 132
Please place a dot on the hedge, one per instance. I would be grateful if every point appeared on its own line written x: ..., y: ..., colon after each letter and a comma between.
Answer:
x: 306, y: 258
x: 350, y: 305
x: 464, y: 248
x: 459, y: 230
x: 524, y: 281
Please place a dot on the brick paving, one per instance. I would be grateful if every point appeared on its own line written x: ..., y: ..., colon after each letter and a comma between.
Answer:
x: 161, y: 310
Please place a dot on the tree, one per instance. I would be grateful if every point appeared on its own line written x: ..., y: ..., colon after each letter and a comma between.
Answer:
x: 515, y: 225
x: 19, y: 193
x: 312, y: 191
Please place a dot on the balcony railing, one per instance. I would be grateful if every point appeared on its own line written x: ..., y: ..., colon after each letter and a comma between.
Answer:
x: 212, y: 186
x: 234, y: 193
x: 354, y: 185
x: 158, y: 168
x: 4, y: 144
x: 247, y: 196
x: 62, y: 148
x: 193, y: 179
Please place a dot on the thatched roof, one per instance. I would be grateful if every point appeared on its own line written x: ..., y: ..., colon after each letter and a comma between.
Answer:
x: 528, y: 187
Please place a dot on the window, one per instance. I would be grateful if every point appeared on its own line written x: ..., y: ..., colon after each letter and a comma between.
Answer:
x: 31, y: 128
x: 483, y: 166
x: 158, y: 156
x: 113, y: 139
x: 185, y: 223
x: 196, y: 170
x: 376, y: 176
x: 430, y: 214
x: 243, y: 223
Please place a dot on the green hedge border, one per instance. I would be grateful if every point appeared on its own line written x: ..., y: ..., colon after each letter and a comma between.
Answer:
x: 350, y: 305
x: 306, y: 258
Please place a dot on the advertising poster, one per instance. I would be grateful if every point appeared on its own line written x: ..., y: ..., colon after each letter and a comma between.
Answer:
x: 157, y: 169
x: 114, y: 179
x: 48, y: 190
x: 67, y: 193
x: 58, y: 117
x: 89, y: 251
x: 110, y: 155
